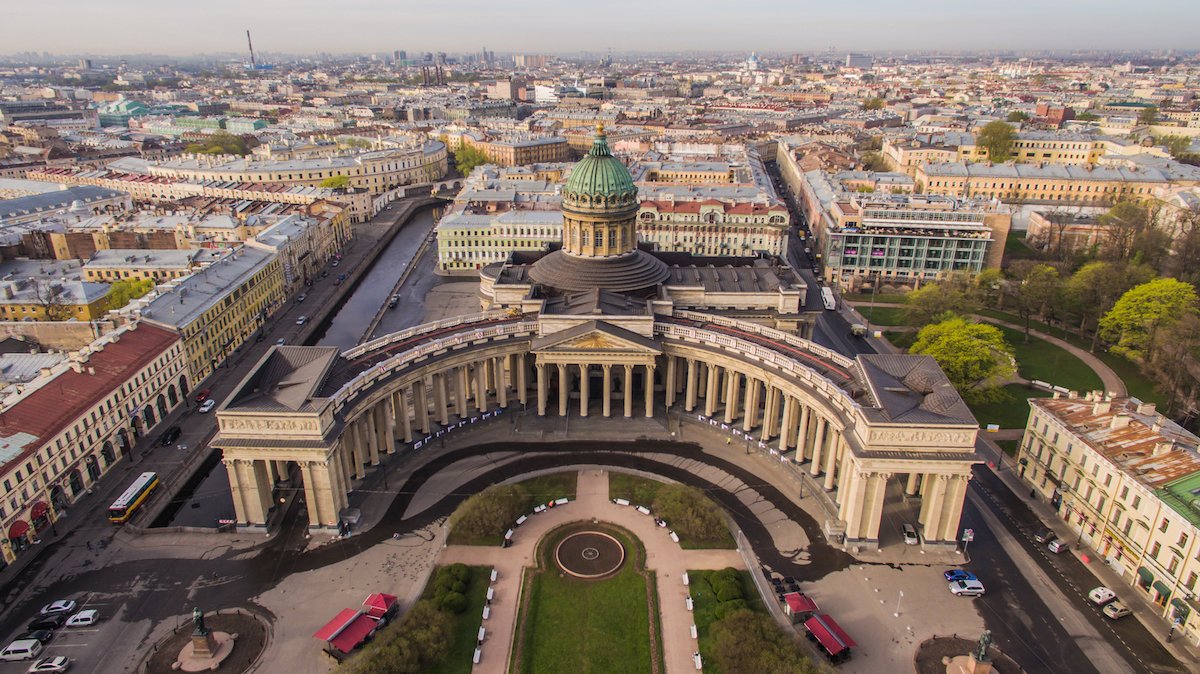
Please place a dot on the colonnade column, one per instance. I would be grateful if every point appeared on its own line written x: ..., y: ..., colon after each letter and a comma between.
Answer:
x: 931, y: 506
x: 481, y: 386
x: 690, y: 392
x: 460, y: 390
x: 235, y: 488
x: 785, y: 426
x: 583, y: 390
x: 750, y: 414
x: 501, y: 383
x: 802, y: 434
x: 910, y: 486
x: 670, y: 380
x: 817, y: 446
x: 421, y: 406
x: 400, y: 405
x: 628, y: 400
x: 851, y: 506
x: 710, y: 393
x: 389, y: 423
x: 956, y: 489
x: 836, y: 445
x: 873, y: 512
x: 733, y: 384
x: 440, y: 399
x: 541, y: 388
x: 563, y: 390
x: 521, y: 371
x: 771, y: 414
x: 649, y: 386
x: 607, y: 367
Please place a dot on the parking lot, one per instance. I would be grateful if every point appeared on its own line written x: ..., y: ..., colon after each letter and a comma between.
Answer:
x: 88, y: 647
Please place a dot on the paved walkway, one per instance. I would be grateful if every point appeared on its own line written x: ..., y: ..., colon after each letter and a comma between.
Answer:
x: 1112, y: 383
x: 663, y: 556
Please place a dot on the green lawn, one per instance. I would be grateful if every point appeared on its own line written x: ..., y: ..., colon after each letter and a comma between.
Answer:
x: 879, y: 298
x: 466, y: 624
x: 1015, y: 247
x: 1011, y: 413
x: 587, y: 627
x: 642, y: 491
x: 883, y: 315
x: 1050, y: 363
x: 542, y: 489
x: 901, y: 340
x: 704, y: 604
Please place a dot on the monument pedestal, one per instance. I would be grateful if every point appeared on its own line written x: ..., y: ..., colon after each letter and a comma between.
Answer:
x: 205, y: 652
x: 967, y: 664
x: 203, y: 645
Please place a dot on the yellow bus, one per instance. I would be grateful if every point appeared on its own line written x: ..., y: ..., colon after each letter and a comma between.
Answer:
x: 133, y: 498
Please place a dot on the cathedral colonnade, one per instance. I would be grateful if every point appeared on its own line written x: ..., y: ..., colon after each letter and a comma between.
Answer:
x: 811, y: 423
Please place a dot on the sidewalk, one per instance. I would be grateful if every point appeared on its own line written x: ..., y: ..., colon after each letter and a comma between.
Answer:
x: 1143, y: 609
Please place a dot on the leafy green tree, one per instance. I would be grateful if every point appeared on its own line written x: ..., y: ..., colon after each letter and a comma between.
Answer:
x: 933, y: 300
x: 1017, y: 116
x: 975, y: 356
x: 748, y: 642
x: 1176, y: 145
x: 1124, y: 222
x: 874, y: 161
x: 989, y: 286
x: 1134, y: 321
x: 997, y: 139
x: 874, y: 103
x: 1087, y: 117
x: 691, y: 513
x: 491, y: 512
x: 1148, y: 115
x: 336, y: 182
x: 466, y: 158
x: 1035, y: 290
x: 121, y: 292
x: 1093, y: 289
x: 221, y: 142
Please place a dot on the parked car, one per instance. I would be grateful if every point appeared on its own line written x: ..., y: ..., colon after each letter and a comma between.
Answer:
x: 967, y: 588
x: 48, y: 622
x: 1058, y: 545
x: 208, y: 406
x: 910, y: 534
x: 301, y: 297
x: 21, y: 649
x: 1044, y: 535
x: 302, y: 320
x: 959, y: 574
x: 1116, y: 610
x: 84, y: 618
x: 1101, y: 596
x: 336, y: 263
x: 168, y: 437
x: 393, y: 301
x: 43, y: 636
x: 54, y: 663
x: 201, y: 396
x: 56, y: 607
x: 281, y: 342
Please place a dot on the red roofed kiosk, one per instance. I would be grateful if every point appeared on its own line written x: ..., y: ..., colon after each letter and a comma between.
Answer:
x: 824, y: 630
x: 347, y: 630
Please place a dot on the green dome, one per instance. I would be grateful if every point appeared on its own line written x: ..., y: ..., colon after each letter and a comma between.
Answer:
x: 600, y: 175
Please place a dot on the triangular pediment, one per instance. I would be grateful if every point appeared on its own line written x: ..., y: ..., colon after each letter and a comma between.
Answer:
x: 594, y: 336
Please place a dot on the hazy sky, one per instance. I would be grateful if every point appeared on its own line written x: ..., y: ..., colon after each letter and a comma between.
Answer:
x: 182, y: 27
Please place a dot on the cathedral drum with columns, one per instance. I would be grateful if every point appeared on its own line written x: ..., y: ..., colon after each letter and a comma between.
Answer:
x: 601, y: 327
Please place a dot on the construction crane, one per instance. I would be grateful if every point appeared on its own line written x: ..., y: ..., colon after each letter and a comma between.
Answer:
x: 253, y: 63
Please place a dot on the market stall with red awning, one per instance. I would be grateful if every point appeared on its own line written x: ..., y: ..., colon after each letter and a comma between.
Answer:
x: 347, y: 630
x: 379, y: 604
x: 830, y: 635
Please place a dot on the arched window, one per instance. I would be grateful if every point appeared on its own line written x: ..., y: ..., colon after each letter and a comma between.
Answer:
x: 585, y: 238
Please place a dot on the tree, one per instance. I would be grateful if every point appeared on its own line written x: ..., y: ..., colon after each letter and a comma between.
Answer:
x: 933, y: 300
x: 1122, y: 225
x: 989, y: 286
x: 1186, y: 250
x: 1017, y: 116
x: 1093, y: 289
x: 53, y: 299
x: 1148, y: 115
x: 1035, y: 288
x: 690, y: 513
x: 121, y: 292
x: 490, y: 512
x: 336, y: 182
x: 466, y: 158
x: 1176, y: 145
x: 997, y: 139
x: 975, y: 356
x: 874, y: 103
x: 746, y: 642
x: 873, y: 161
x: 1180, y: 343
x: 221, y: 142
x: 1087, y: 117
x: 1134, y: 321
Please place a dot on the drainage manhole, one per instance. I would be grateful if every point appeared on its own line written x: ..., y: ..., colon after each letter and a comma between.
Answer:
x: 589, y: 554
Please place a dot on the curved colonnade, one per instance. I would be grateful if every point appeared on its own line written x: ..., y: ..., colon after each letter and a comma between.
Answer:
x: 336, y: 414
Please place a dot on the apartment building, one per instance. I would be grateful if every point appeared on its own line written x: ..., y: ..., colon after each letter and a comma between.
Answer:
x: 1125, y: 479
x: 1062, y: 184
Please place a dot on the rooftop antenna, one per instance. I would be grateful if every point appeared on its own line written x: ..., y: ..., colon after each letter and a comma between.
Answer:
x: 253, y: 63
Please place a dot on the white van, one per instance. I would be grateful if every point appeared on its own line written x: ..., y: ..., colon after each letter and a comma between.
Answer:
x: 22, y: 649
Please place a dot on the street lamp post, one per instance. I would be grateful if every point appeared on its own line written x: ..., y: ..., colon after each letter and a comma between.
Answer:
x: 897, y: 613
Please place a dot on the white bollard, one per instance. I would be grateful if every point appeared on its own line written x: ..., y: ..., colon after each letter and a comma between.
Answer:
x: 688, y: 602
x: 487, y: 613
x: 695, y: 634
x: 685, y: 578
x: 495, y: 574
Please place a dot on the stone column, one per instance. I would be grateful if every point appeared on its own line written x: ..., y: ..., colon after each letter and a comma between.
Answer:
x: 501, y: 383
x: 956, y: 490
x: 460, y: 390
x: 481, y: 385
x: 359, y: 447
x: 851, y: 505
x: 372, y: 423
x: 846, y: 467
x: 732, y: 384
x: 628, y: 399
x: 817, y: 445
x: 670, y: 380
x: 910, y: 486
x: 750, y: 414
x: 607, y: 367
x: 802, y: 433
x: 932, y: 505
x: 541, y: 388
x: 235, y: 488
x: 785, y: 425
x: 563, y: 390
x: 521, y: 372
x: 710, y: 393
x: 649, y: 390
x: 690, y: 394
x: 873, y: 512
x: 833, y: 451
x: 339, y: 489
x: 401, y: 407
x: 389, y: 425
x: 421, y: 406
x: 583, y: 390
x: 771, y: 412
x: 343, y: 457
x: 311, y: 498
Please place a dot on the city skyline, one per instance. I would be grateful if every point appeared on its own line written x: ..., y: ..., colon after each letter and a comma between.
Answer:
x: 365, y: 26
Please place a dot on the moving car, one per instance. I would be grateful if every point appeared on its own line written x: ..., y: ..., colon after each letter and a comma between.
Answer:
x: 1116, y: 610
x: 281, y: 342
x: 55, y: 663
x: 168, y: 437
x: 1101, y: 596
x: 302, y: 320
x: 60, y: 606
x: 910, y: 534
x: 21, y: 649
x: 393, y: 301
x: 967, y: 588
x: 84, y: 618
x: 959, y: 574
x: 301, y: 297
x: 1044, y: 535
x: 1058, y: 545
x: 201, y: 396
x: 208, y: 406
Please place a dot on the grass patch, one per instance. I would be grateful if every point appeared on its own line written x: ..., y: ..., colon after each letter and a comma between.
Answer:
x: 1010, y: 413
x: 1047, y: 362
x: 644, y: 491
x: 901, y: 340
x: 883, y: 315
x: 880, y: 298
x: 704, y: 610
x: 586, y: 627
x: 1015, y: 247
x: 483, y: 518
x: 466, y: 624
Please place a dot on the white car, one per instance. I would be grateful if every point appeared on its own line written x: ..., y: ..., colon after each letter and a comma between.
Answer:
x: 84, y: 618
x: 207, y: 406
x: 1101, y: 596
x: 302, y: 320
x: 1116, y: 610
x: 56, y: 663
x: 967, y: 588
x: 60, y: 606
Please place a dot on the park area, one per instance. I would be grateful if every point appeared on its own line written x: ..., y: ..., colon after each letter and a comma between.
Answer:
x: 688, y: 512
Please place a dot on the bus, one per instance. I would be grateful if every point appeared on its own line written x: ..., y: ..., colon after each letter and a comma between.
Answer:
x: 828, y: 299
x: 133, y: 498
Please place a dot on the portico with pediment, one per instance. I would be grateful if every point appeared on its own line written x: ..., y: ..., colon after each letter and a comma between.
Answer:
x: 596, y: 349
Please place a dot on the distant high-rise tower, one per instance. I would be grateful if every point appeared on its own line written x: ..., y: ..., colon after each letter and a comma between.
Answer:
x: 860, y: 61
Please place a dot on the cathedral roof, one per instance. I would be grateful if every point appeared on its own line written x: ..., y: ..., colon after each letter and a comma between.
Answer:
x: 600, y: 175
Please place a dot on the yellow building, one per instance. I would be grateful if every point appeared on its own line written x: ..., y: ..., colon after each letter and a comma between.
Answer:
x: 1044, y: 183
x: 49, y: 290
x: 220, y: 307
x: 107, y: 266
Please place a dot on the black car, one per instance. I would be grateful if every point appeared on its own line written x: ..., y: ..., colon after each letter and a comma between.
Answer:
x: 169, y: 436
x: 43, y: 636
x: 1044, y: 535
x: 48, y: 622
